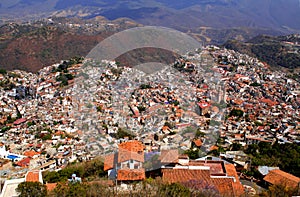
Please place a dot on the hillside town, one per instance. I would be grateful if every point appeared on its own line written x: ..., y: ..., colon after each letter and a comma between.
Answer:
x: 188, y: 123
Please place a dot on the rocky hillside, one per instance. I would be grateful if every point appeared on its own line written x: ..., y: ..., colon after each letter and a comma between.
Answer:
x: 31, y: 47
x: 281, y: 51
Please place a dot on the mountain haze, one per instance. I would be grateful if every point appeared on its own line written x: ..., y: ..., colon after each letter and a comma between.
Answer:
x: 283, y: 15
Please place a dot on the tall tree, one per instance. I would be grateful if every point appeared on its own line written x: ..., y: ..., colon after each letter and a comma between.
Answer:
x: 31, y: 189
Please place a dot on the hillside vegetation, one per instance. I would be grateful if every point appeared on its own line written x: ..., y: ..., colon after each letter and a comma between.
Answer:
x: 281, y: 51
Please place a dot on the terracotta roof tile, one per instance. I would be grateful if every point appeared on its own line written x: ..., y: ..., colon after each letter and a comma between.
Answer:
x: 133, y: 145
x: 169, y: 156
x: 131, y: 174
x: 20, y: 121
x: 125, y: 155
x: 280, y: 177
x: 226, y: 185
x: 268, y: 102
x: 238, y: 101
x: 109, y: 161
x: 204, y: 105
x: 24, y: 162
x: 216, y: 168
x: 214, y: 147
x: 184, y: 175
x: 165, y: 128
x: 30, y: 153
x: 32, y: 176
x: 230, y: 171
x: 237, y: 186
x: 198, y: 142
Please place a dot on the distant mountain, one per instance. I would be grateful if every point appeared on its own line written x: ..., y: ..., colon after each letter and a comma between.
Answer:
x: 280, y: 15
x: 33, y: 46
x: 280, y: 51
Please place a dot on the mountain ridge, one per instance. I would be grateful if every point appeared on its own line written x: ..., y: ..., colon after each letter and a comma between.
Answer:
x: 276, y: 14
x: 277, y: 51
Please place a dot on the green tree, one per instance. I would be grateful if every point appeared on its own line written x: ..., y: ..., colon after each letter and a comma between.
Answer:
x: 174, y: 189
x: 252, y: 149
x: 176, y: 103
x: 77, y: 189
x: 91, y: 170
x: 280, y: 190
x: 199, y: 133
x: 145, y: 86
x: 235, y: 147
x: 170, y: 125
x: 52, y: 177
x: 32, y: 189
x: 193, y: 154
x: 47, y: 136
x: 141, y: 108
x: 285, y: 156
x: 236, y: 112
x: 123, y: 132
x: 3, y: 71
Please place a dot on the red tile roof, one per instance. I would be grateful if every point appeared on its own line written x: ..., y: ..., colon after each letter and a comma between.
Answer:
x: 125, y: 155
x: 30, y: 153
x: 214, y: 147
x: 131, y: 150
x: 24, y: 162
x: 184, y: 175
x: 204, y: 105
x: 109, y: 161
x: 237, y: 186
x: 128, y: 150
x: 216, y: 168
x: 32, y: 176
x: 133, y: 145
x: 20, y: 121
x: 279, y: 177
x: 198, y: 142
x: 226, y: 185
x: 165, y: 128
x: 169, y: 156
x: 238, y: 101
x: 269, y: 102
x: 131, y: 174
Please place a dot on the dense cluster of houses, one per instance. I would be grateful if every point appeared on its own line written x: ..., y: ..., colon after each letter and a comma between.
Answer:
x: 46, y: 124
